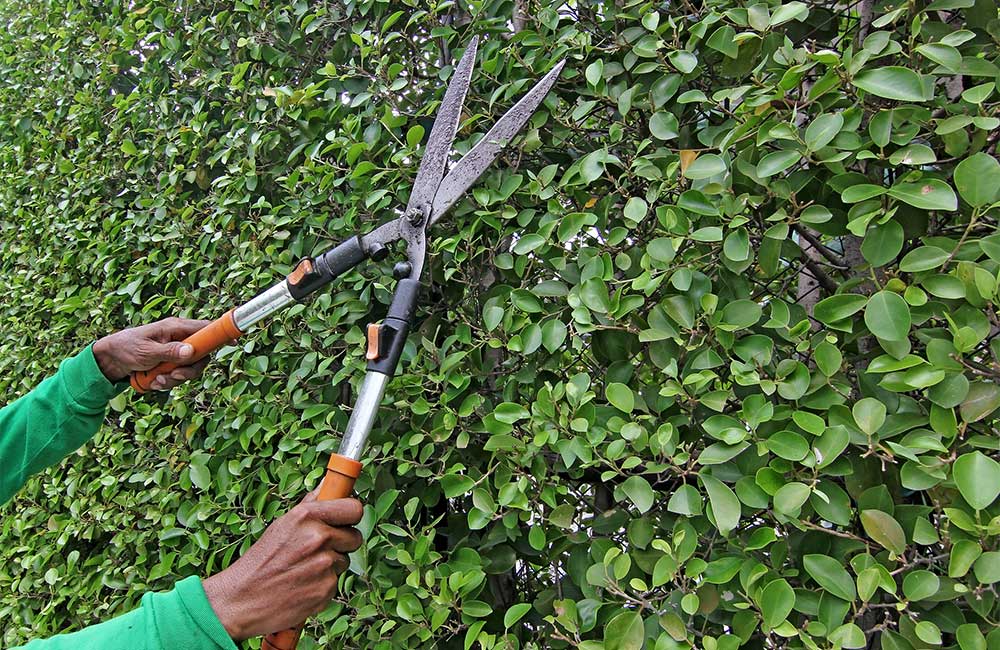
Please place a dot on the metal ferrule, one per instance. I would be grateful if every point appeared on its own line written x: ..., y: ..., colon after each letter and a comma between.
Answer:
x: 360, y: 425
x: 263, y: 306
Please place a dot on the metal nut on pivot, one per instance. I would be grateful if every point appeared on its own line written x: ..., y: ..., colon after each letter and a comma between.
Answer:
x: 402, y: 270
x: 416, y: 216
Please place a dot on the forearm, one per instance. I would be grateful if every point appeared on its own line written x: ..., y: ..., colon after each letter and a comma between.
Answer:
x: 60, y: 414
x: 181, y: 619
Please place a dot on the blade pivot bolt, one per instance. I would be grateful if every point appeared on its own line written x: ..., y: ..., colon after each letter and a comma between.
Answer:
x: 416, y: 216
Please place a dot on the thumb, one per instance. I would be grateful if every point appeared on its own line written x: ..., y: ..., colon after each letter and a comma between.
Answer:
x: 175, y: 351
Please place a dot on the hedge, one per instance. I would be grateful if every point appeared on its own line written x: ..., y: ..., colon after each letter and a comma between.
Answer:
x: 708, y: 360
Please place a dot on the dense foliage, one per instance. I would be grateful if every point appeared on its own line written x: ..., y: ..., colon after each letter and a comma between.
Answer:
x: 709, y: 359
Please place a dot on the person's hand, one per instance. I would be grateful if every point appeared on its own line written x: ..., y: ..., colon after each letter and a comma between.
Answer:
x: 290, y: 573
x: 145, y: 347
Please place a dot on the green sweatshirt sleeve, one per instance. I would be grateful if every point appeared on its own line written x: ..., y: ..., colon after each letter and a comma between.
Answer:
x: 36, y: 432
x: 181, y: 619
x: 59, y: 415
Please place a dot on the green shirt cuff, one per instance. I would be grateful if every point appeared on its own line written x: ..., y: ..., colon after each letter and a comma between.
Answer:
x: 192, y: 595
x: 86, y: 384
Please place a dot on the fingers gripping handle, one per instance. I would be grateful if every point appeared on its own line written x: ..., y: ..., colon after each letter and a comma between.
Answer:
x: 341, y: 472
x: 205, y: 341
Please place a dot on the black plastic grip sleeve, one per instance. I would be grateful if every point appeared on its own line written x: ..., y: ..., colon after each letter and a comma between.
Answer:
x: 344, y: 257
x: 396, y: 326
x: 328, y: 266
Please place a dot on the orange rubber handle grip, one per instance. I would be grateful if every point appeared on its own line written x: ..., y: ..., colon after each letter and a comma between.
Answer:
x: 205, y: 341
x: 341, y: 473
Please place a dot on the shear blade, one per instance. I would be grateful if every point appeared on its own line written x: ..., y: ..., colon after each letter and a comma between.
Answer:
x: 434, y: 195
x: 472, y: 165
x: 432, y: 166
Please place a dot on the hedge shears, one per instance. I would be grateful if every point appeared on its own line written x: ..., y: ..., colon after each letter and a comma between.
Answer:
x: 433, y: 194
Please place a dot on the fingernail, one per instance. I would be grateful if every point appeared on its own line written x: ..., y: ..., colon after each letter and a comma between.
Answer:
x: 186, y: 350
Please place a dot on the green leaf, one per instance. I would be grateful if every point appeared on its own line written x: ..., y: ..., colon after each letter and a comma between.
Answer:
x: 594, y: 294
x: 200, y: 475
x: 704, y: 166
x: 931, y: 194
x: 838, y: 307
x: 979, y: 94
x: 635, y: 209
x: 830, y: 445
x: 978, y: 179
x: 476, y: 608
x: 661, y: 249
x: 789, y: 11
x: 663, y: 125
x: 686, y: 501
x: 978, y: 479
x: 725, y: 506
x: 828, y: 358
x: 790, y: 498
x: 913, y: 154
x: 515, y: 614
x: 414, y: 136
x: 492, y: 315
x: 969, y: 637
x: 831, y: 575
x: 880, y: 127
x: 861, y: 192
x: 775, y: 163
x: 963, y: 554
x: 509, y: 412
x: 891, y: 82
x: 553, y: 334
x: 944, y: 55
x: 868, y: 582
x: 594, y: 72
x: 849, y: 636
x: 920, y: 585
x: 453, y: 485
x: 721, y: 452
x: 707, y: 234
x: 869, y: 414
x: 882, y: 243
x: 620, y: 396
x: 823, y: 129
x: 788, y: 445
x: 723, y: 40
x: 776, y: 602
x: 987, y: 568
x: 682, y: 60
x: 944, y: 286
x: 737, y: 245
x: 624, y: 632
x: 982, y: 399
x: 129, y: 148
x: 740, y: 314
x: 528, y: 243
x: 888, y: 316
x: 639, y: 492
x: 923, y: 259
x: 885, y: 530
x: 928, y: 632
